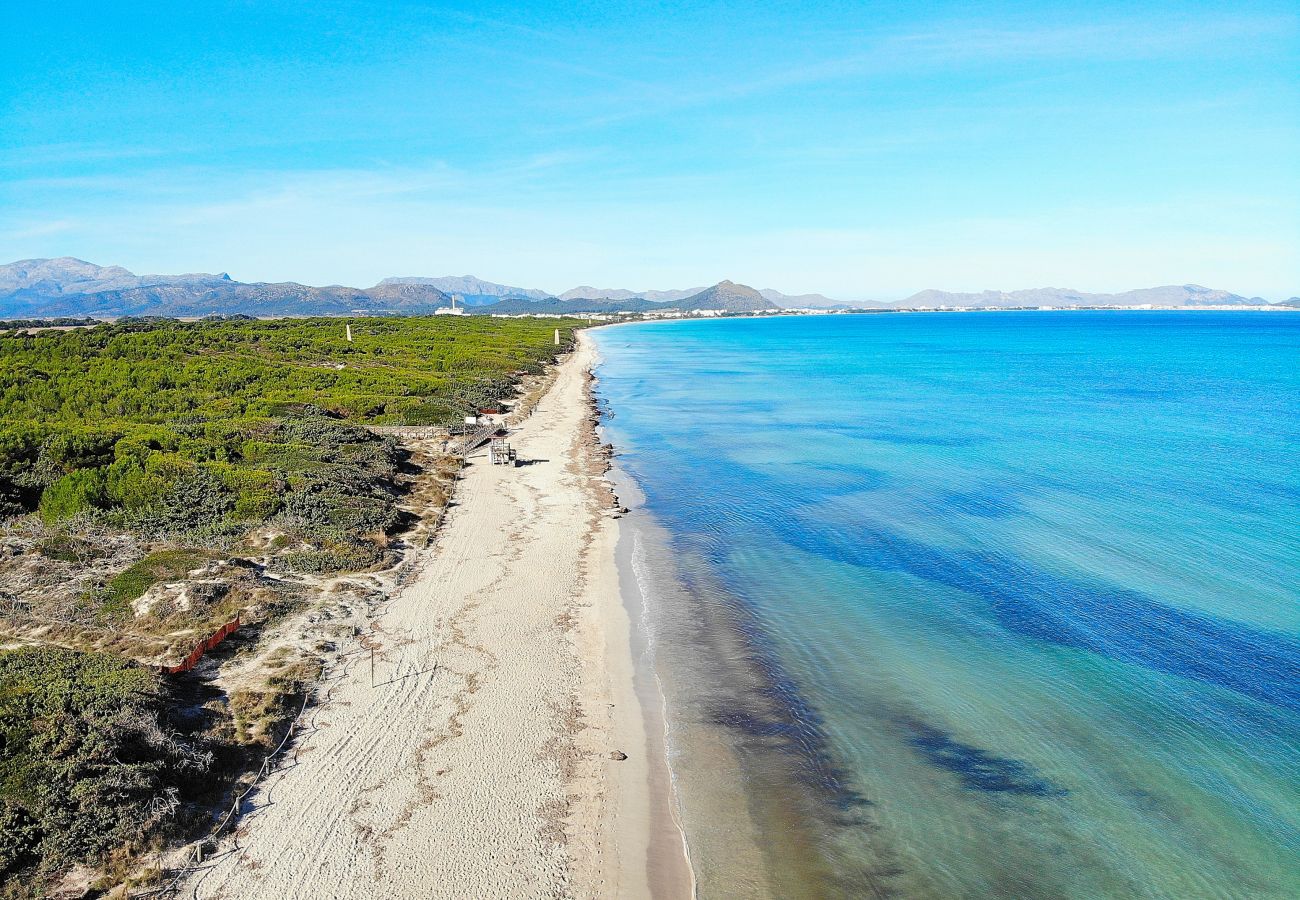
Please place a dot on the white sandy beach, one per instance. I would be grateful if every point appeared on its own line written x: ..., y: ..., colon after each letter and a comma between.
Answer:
x: 479, y: 764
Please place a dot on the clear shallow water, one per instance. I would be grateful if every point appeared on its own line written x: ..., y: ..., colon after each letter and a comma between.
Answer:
x: 977, y: 603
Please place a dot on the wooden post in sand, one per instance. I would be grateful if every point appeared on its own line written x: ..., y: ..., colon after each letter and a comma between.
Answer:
x: 372, y: 665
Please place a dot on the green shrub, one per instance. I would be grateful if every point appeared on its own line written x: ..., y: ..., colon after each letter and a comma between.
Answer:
x: 77, y: 492
x: 131, y: 583
x: 83, y: 754
x: 195, y: 501
x: 144, y: 441
x: 255, y: 506
x: 69, y: 548
x: 168, y: 465
x: 132, y: 487
x: 20, y: 444
x: 341, y: 557
x: 77, y: 448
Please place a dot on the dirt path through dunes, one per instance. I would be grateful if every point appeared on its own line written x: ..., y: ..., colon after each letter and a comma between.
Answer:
x: 478, y: 765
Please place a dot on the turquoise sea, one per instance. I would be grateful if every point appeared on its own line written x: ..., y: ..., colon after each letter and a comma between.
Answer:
x: 972, y: 604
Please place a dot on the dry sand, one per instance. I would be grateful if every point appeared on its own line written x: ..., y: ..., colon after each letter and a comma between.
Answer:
x: 479, y: 763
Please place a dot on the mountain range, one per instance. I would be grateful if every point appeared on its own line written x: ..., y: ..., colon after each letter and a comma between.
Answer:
x: 1169, y: 295
x: 725, y: 296
x: 784, y: 301
x: 473, y: 291
x: 43, y: 288
x: 72, y: 287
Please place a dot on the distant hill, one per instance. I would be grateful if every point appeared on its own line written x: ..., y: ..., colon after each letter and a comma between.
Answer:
x: 35, y: 288
x: 67, y: 275
x: 812, y: 301
x: 1294, y: 302
x: 476, y: 291
x: 726, y: 296
x: 585, y: 292
x: 1168, y: 295
x: 67, y: 287
x: 557, y: 307
x: 785, y: 301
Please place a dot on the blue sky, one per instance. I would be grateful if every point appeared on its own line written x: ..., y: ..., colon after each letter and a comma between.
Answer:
x: 861, y: 150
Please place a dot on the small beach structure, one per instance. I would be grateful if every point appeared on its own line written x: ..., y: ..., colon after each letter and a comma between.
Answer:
x: 501, y: 453
x: 477, y: 434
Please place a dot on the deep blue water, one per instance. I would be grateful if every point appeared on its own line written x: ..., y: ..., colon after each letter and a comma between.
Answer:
x: 1023, y: 588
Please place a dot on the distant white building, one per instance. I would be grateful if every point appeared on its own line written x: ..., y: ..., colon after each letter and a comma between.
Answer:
x: 452, y: 310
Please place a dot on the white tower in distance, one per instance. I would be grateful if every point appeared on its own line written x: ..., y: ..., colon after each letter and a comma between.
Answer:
x: 452, y: 310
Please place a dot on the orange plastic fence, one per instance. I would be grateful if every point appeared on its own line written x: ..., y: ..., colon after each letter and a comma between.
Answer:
x: 204, y: 646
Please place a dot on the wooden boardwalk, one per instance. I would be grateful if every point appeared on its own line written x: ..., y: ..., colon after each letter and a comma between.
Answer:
x: 460, y: 444
x: 415, y: 432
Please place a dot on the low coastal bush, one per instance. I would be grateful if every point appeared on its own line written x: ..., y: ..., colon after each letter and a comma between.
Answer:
x: 130, y: 584
x: 165, y: 426
x: 88, y: 761
x: 338, y: 557
x: 261, y: 717
x: 76, y: 492
x: 62, y: 545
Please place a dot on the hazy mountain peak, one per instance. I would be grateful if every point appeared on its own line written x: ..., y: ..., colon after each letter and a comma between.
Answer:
x: 469, y: 286
x: 587, y: 292
x: 69, y: 286
x: 802, y: 301
x: 61, y: 273
x: 786, y: 301
x: 1166, y: 295
x: 728, y: 297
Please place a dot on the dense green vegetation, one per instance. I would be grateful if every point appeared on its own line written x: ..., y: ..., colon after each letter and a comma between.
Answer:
x: 178, y: 438
x: 61, y: 322
x: 88, y: 760
x: 171, y: 427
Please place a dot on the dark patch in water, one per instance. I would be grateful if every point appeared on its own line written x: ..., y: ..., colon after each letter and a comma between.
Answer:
x: 784, y: 720
x: 978, y: 769
x: 907, y: 439
x: 987, y: 504
x: 784, y: 740
x: 1084, y: 614
x: 1132, y: 392
x: 1069, y: 611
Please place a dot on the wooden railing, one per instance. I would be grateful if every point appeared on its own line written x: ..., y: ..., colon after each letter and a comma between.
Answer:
x: 477, y: 438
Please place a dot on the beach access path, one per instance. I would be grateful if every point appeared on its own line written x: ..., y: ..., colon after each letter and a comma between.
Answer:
x: 479, y: 764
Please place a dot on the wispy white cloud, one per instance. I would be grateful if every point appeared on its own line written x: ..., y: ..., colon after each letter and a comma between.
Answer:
x: 38, y: 229
x: 951, y: 45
